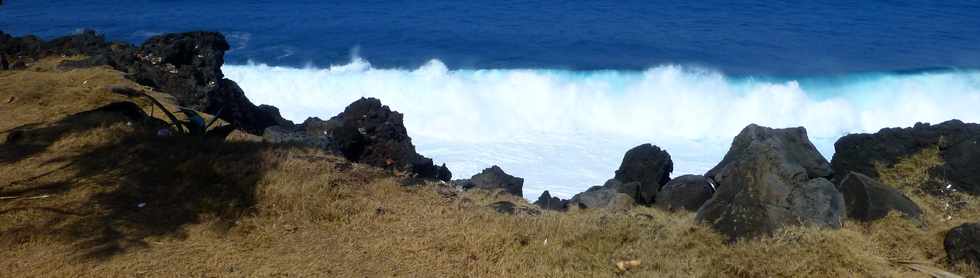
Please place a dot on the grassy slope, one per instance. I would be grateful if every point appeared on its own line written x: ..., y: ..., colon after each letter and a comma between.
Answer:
x: 249, y: 209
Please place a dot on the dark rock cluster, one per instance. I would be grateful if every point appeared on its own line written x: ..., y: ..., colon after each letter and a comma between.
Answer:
x: 494, y: 178
x: 188, y: 66
x: 185, y: 65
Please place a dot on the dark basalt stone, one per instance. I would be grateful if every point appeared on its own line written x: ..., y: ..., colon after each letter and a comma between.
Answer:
x: 366, y: 132
x: 686, y: 192
x: 650, y: 167
x: 546, y: 201
x: 867, y: 199
x: 495, y: 178
x: 963, y: 244
x: 765, y: 183
x: 958, y: 142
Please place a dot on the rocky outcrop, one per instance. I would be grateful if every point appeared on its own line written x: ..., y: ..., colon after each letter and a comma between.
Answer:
x: 963, y: 244
x: 495, y: 178
x: 188, y: 66
x: 366, y: 132
x: 649, y: 166
x: 958, y: 142
x: 185, y: 65
x: 793, y: 145
x: 771, y: 178
x: 546, y: 201
x: 686, y: 192
x: 602, y: 197
x: 867, y: 199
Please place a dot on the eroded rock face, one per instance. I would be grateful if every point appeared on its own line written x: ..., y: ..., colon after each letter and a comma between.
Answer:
x: 958, y: 142
x: 963, y: 244
x: 495, y: 178
x: 686, y: 192
x: 765, y: 184
x: 649, y: 166
x: 546, y: 201
x: 867, y: 199
x: 793, y: 145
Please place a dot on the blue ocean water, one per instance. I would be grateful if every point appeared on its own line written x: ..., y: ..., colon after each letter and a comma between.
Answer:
x: 557, y: 91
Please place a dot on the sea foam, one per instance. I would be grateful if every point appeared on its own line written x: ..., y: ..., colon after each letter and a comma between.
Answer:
x: 564, y: 131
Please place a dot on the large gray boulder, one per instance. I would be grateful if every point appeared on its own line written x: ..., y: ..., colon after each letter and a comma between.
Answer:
x: 772, y: 178
x: 687, y: 192
x: 867, y: 199
x: 793, y: 145
x: 601, y: 197
x: 963, y: 244
x: 649, y: 166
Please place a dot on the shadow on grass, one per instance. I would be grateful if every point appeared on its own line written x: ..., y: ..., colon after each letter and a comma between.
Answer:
x: 139, y: 186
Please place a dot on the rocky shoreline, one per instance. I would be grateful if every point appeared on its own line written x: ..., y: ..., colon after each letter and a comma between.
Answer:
x: 769, y: 180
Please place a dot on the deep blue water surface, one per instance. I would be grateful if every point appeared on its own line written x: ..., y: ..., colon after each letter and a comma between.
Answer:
x: 735, y: 37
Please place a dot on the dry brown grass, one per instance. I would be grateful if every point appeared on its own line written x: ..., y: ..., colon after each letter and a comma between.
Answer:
x: 249, y: 209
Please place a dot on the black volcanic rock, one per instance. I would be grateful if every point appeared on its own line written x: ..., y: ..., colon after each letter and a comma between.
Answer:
x: 867, y: 199
x: 958, y: 142
x: 962, y: 244
x: 366, y: 132
x: 685, y: 192
x: 495, y: 178
x: 648, y: 165
x: 185, y: 65
x: 771, y: 179
x: 546, y: 201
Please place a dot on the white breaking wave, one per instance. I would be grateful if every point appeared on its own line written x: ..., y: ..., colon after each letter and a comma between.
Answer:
x: 564, y: 131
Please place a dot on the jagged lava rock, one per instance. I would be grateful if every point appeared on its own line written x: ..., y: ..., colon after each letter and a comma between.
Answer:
x: 866, y: 199
x: 765, y: 184
x: 687, y: 192
x: 546, y: 201
x: 188, y: 66
x: 495, y: 178
x: 957, y: 142
x: 648, y: 165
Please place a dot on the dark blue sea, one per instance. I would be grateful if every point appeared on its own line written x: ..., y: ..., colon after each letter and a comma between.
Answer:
x: 557, y: 91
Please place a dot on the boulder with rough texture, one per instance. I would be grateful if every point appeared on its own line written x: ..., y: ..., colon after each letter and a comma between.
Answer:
x: 366, y: 132
x: 648, y: 165
x: 867, y: 199
x: 495, y: 178
x: 963, y: 244
x: 687, y: 192
x: 792, y: 144
x: 958, y: 142
x: 601, y: 197
x: 766, y: 184
x: 188, y: 66
x: 546, y: 201
x: 371, y: 133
